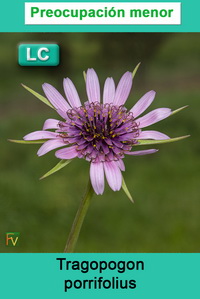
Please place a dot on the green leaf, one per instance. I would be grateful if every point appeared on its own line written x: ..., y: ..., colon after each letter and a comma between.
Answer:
x: 40, y: 97
x: 179, y: 109
x: 56, y: 168
x: 149, y: 142
x: 135, y: 69
x: 84, y: 75
x: 124, y: 187
x: 28, y: 141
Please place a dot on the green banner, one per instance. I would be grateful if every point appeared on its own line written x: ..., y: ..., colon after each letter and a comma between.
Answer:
x: 94, y: 275
x: 13, y: 18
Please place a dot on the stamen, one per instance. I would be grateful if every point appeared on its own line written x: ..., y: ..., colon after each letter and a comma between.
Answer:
x: 101, y: 132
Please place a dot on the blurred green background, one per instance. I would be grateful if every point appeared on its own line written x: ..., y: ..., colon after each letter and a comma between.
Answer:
x: 165, y: 186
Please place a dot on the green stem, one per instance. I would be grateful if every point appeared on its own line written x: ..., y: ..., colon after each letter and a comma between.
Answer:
x: 78, y: 221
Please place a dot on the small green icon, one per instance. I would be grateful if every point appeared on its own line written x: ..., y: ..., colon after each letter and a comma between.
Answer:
x: 12, y: 239
x: 38, y: 54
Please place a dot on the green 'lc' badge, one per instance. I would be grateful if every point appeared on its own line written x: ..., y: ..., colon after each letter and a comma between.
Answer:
x: 38, y: 54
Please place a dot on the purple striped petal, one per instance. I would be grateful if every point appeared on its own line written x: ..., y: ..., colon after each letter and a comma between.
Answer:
x: 49, y: 146
x: 51, y: 124
x: 62, y: 114
x: 123, y: 89
x: 55, y: 98
x: 71, y: 93
x: 37, y: 135
x: 113, y: 175
x: 67, y: 153
x: 97, y: 177
x: 121, y: 165
x: 153, y: 117
x: 109, y: 91
x: 143, y: 152
x: 92, y: 86
x: 143, y: 103
x: 152, y: 135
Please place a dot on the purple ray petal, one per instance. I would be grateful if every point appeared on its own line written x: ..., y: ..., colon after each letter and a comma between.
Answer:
x: 67, y: 153
x: 152, y: 135
x: 109, y: 91
x: 143, y: 103
x: 49, y: 146
x: 121, y: 165
x: 113, y: 175
x: 97, y: 177
x: 37, y: 135
x: 71, y: 93
x: 62, y: 114
x: 143, y: 152
x: 92, y: 86
x: 153, y: 117
x: 51, y: 124
x: 55, y: 97
x: 123, y: 89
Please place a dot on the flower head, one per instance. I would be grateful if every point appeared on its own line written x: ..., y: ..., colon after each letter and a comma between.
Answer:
x: 100, y: 132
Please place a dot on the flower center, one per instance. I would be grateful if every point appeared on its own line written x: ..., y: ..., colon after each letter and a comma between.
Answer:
x: 101, y: 132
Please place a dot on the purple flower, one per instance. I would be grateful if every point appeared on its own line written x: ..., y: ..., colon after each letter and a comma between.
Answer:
x: 100, y: 132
